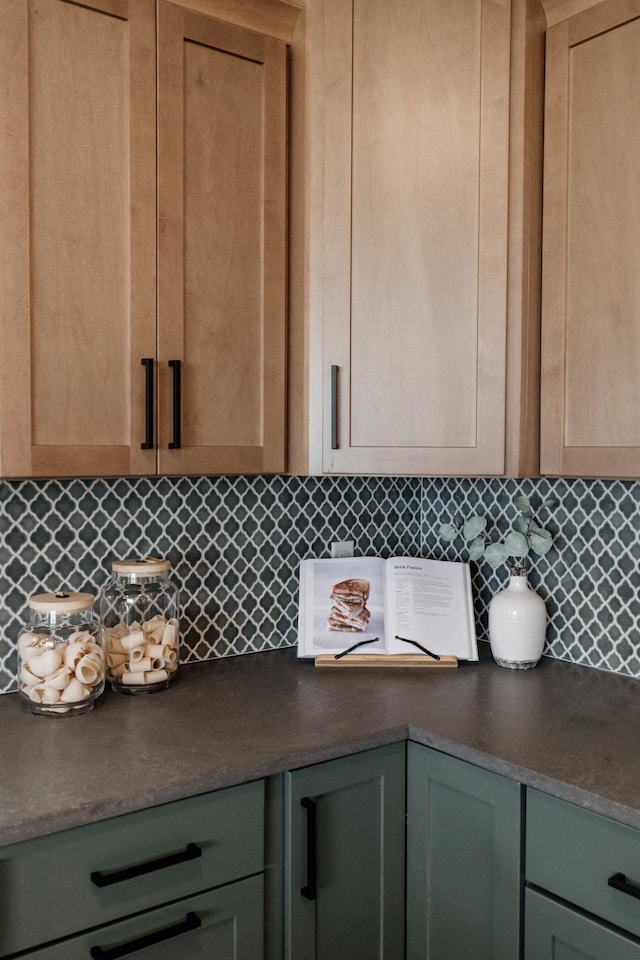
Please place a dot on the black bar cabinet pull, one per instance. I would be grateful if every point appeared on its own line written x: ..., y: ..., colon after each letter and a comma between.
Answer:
x: 309, y: 890
x: 620, y: 882
x: 105, y: 878
x: 176, y: 443
x: 191, y: 922
x: 147, y: 363
x: 334, y: 407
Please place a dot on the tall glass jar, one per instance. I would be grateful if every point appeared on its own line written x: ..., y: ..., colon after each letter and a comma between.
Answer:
x: 139, y: 615
x: 60, y: 660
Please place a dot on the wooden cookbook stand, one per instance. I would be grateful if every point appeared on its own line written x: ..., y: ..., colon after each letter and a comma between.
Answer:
x: 396, y: 660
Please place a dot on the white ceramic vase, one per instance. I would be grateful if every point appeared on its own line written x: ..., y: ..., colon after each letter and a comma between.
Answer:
x: 517, y: 624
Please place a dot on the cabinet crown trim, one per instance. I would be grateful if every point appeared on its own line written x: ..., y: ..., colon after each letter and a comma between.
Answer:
x: 274, y: 18
x: 557, y: 10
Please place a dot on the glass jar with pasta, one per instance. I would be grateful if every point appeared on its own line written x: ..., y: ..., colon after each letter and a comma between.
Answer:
x: 138, y: 610
x: 60, y: 660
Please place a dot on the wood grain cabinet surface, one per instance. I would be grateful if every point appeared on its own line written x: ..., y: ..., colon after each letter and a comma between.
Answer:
x: 97, y: 275
x: 591, y: 275
x: 424, y: 236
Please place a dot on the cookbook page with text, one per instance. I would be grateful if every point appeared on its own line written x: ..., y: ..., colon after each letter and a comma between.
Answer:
x: 429, y: 602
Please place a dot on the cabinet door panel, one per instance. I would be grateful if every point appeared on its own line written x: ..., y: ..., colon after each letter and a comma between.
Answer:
x: 77, y: 244
x: 358, y: 911
x: 555, y: 932
x: 415, y: 241
x: 463, y: 860
x: 591, y: 285
x: 221, y: 249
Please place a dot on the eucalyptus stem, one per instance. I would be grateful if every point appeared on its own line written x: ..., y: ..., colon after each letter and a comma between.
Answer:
x: 513, y: 549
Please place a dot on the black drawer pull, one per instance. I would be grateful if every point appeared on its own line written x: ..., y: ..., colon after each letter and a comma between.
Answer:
x: 334, y: 408
x: 147, y: 363
x: 191, y: 922
x: 620, y: 882
x: 310, y: 888
x: 176, y: 443
x: 107, y: 877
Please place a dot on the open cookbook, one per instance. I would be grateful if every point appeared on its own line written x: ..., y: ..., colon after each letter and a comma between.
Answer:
x: 404, y: 605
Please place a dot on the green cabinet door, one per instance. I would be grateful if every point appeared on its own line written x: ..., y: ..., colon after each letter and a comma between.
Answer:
x: 344, y: 858
x: 463, y: 860
x: 556, y: 932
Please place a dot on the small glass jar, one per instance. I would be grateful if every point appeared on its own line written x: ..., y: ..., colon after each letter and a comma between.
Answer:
x: 60, y: 659
x: 138, y: 610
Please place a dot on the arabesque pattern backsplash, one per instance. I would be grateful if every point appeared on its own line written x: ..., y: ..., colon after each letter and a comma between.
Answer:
x: 236, y: 542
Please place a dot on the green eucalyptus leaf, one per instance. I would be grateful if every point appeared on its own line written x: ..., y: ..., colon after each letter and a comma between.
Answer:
x: 516, y: 545
x: 523, y: 504
x: 448, y: 532
x: 541, y: 545
x: 549, y: 503
x: 495, y: 554
x: 540, y: 532
x: 521, y: 524
x: 474, y: 527
x: 476, y: 548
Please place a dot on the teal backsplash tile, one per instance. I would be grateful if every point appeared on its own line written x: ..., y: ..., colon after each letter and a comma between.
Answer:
x: 590, y: 580
x: 236, y: 543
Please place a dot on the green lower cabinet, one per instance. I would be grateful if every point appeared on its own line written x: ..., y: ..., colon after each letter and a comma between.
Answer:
x: 181, y: 881
x: 580, y: 857
x: 344, y: 858
x: 463, y: 860
x: 223, y: 924
x: 556, y: 932
x: 102, y: 872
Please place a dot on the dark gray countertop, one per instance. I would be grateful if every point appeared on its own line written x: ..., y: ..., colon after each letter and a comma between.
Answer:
x: 568, y: 730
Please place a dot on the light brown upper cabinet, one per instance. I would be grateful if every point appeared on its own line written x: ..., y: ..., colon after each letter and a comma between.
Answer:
x: 591, y: 274
x: 421, y: 352
x: 142, y: 238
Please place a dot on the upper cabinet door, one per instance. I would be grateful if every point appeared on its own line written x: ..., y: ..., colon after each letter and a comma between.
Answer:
x: 591, y: 279
x: 416, y: 175
x: 221, y: 253
x: 77, y: 237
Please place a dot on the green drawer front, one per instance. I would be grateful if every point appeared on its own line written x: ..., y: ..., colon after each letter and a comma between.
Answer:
x: 555, y: 932
x: 46, y: 885
x: 572, y: 852
x: 225, y: 924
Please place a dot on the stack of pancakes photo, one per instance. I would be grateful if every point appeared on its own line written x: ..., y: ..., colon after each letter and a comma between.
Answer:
x: 349, y: 606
